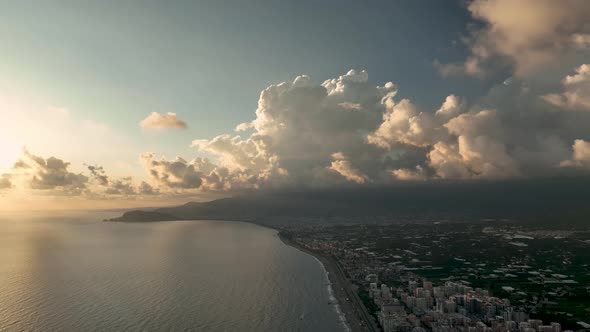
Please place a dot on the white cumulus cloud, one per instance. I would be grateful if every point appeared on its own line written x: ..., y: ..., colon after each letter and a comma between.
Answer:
x: 162, y: 121
x: 580, y: 155
x: 343, y: 166
x: 526, y: 34
x: 576, y: 94
x: 349, y: 130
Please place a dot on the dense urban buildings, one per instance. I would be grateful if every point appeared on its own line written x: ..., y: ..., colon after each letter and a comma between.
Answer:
x: 487, y: 276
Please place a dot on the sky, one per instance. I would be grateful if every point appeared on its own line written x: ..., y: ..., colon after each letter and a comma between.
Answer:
x: 138, y: 103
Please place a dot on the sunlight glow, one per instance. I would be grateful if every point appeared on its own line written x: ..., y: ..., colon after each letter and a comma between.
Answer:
x: 11, y: 149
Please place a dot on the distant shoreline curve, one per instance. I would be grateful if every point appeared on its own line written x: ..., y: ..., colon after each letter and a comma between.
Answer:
x: 330, y: 273
x: 352, y: 309
x: 327, y: 265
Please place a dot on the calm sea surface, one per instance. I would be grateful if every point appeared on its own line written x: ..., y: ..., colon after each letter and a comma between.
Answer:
x: 80, y: 274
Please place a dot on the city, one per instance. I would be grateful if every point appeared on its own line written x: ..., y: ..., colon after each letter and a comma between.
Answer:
x: 295, y: 166
x: 493, y: 275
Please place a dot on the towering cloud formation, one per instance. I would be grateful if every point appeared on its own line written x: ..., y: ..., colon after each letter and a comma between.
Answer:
x: 402, y: 123
x: 304, y: 133
x: 160, y: 121
x: 527, y: 34
x: 347, y: 130
x: 477, y: 152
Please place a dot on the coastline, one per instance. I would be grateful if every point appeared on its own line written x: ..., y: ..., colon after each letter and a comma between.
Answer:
x: 348, y: 308
x: 343, y: 295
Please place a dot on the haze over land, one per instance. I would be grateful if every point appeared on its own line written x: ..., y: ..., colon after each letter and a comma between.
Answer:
x: 553, y: 203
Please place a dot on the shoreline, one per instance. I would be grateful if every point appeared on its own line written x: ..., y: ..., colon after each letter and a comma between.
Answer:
x: 350, y: 309
x: 348, y: 306
x: 333, y: 298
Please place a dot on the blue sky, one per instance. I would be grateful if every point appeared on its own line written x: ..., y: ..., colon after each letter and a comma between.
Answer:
x: 78, y: 77
x: 208, y: 60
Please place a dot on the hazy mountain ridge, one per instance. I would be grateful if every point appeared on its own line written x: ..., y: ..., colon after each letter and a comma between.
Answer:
x: 144, y: 216
x: 555, y: 201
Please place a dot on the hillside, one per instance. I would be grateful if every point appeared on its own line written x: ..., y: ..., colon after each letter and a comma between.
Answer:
x: 541, y: 202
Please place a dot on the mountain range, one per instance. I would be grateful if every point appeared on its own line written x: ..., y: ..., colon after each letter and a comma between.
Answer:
x: 552, y: 200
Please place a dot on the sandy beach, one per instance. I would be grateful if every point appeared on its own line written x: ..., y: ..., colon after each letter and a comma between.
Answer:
x: 349, y: 304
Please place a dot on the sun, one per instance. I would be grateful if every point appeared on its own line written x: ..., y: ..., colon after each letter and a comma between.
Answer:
x: 10, y: 150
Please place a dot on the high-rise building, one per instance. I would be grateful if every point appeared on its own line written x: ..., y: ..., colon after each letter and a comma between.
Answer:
x: 372, y: 278
x: 385, y: 292
x: 523, y: 326
x: 439, y: 307
x: 535, y: 323
x: 520, y: 316
x: 511, y: 325
x: 450, y: 306
x: 421, y: 303
x: 419, y: 292
x: 438, y: 292
x: 412, y: 285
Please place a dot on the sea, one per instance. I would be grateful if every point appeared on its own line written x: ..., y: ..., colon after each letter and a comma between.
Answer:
x: 77, y: 273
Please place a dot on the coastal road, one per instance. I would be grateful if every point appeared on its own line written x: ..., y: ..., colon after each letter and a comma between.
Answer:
x: 357, y: 316
x: 359, y: 307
